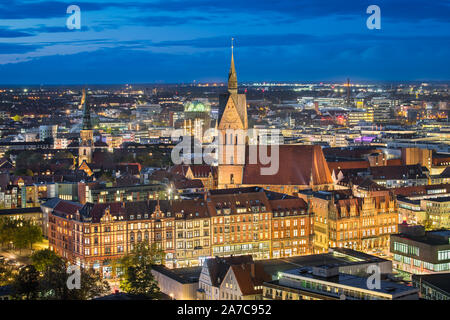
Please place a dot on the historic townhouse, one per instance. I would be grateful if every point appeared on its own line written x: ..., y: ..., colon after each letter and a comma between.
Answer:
x: 225, y: 222
x: 292, y: 228
x: 240, y: 224
x: 343, y: 220
x: 192, y: 232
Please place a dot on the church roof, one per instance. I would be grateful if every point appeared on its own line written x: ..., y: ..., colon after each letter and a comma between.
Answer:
x: 299, y: 165
x: 239, y: 102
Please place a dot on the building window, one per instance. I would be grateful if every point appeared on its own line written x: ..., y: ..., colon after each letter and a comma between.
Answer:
x: 443, y: 255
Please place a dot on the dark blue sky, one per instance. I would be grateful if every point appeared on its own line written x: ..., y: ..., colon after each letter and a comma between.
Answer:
x: 169, y: 41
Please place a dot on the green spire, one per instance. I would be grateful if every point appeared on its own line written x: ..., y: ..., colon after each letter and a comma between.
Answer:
x: 232, y: 77
x: 87, y: 123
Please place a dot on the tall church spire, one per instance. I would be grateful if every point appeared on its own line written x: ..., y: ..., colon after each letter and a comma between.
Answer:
x: 232, y: 77
x: 87, y: 123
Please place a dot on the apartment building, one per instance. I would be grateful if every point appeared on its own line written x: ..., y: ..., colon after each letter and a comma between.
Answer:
x: 345, y: 221
x: 224, y: 223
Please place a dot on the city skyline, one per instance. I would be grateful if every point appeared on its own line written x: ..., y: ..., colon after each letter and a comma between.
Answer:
x: 174, y: 42
x: 241, y: 151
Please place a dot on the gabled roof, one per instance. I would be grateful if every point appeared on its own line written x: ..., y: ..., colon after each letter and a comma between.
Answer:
x: 218, y: 266
x: 248, y: 281
x: 198, y: 170
x: 298, y: 165
x: 239, y: 105
x: 67, y: 207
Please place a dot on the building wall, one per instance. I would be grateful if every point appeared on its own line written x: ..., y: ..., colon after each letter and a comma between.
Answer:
x: 175, y: 289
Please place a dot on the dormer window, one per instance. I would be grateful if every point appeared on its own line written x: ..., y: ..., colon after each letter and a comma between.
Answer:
x: 138, y: 216
x: 131, y: 217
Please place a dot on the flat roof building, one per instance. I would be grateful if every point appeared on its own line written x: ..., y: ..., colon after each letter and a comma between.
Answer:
x: 417, y: 251
x: 325, y: 282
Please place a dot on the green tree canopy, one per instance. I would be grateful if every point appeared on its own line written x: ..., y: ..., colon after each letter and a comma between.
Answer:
x: 136, y: 277
x: 26, y: 283
x: 42, y: 260
x: 26, y: 234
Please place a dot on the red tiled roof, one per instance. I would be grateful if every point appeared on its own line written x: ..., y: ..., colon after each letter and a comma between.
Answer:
x: 394, y: 162
x: 298, y: 165
x: 229, y: 201
x: 67, y: 207
x: 289, y: 204
x: 418, y: 190
x: 218, y: 266
x: 340, y: 165
x: 186, y: 184
x: 199, y: 170
x: 248, y: 281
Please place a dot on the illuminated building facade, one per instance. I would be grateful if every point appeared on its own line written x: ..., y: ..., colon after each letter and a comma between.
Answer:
x: 227, y: 222
x: 197, y: 119
x: 345, y: 221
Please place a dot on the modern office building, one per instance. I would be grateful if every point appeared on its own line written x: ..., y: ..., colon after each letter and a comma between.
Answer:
x: 433, y: 286
x: 325, y: 282
x: 417, y: 251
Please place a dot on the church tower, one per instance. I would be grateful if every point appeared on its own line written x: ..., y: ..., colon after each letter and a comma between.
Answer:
x: 232, y: 128
x: 86, y: 134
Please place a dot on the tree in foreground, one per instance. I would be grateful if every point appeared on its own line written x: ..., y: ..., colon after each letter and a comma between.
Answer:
x: 26, y: 283
x: 42, y: 260
x: 136, y: 277
x: 52, y: 278
x: 6, y: 273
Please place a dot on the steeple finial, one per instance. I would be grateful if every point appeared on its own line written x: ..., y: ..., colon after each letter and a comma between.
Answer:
x: 232, y: 77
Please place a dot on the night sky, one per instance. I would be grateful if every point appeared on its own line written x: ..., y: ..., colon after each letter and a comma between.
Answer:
x: 173, y: 41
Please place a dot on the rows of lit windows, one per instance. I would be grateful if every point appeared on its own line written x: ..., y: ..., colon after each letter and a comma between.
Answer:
x: 443, y: 255
x: 404, y: 248
x: 241, y: 247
